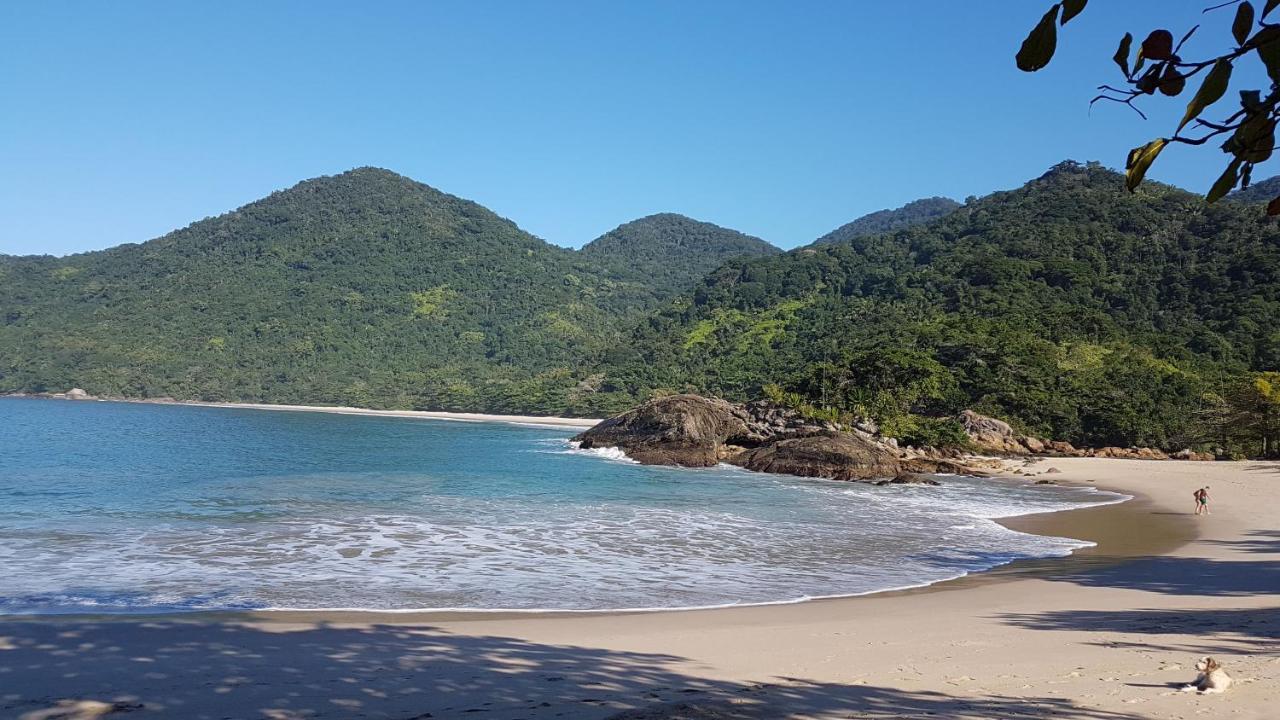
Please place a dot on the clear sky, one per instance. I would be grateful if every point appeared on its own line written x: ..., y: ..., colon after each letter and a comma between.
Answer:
x: 120, y: 121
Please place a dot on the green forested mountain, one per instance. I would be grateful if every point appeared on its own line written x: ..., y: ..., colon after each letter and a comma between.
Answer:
x: 915, y: 212
x: 1263, y: 191
x: 363, y: 288
x: 1068, y: 306
x: 673, y: 250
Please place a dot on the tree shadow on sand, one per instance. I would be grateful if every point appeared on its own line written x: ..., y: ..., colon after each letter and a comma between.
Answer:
x: 1255, y: 541
x: 1187, y: 576
x: 206, y: 670
x: 1195, y: 632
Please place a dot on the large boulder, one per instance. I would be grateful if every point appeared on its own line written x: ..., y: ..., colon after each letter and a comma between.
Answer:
x: 997, y: 436
x: 990, y: 434
x: 687, y: 430
x: 1062, y: 447
x: 834, y: 455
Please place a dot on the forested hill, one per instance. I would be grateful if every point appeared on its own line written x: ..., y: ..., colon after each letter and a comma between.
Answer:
x: 364, y: 288
x: 673, y: 250
x: 916, y: 212
x: 1069, y: 306
x: 1263, y: 191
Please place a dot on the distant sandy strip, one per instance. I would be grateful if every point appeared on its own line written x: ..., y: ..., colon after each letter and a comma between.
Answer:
x: 1108, y: 634
x: 420, y: 414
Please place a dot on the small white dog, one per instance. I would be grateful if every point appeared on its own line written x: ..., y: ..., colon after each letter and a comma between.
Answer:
x: 1212, y: 678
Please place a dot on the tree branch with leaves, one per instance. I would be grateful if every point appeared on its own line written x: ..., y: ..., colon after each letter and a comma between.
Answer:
x: 1247, y: 134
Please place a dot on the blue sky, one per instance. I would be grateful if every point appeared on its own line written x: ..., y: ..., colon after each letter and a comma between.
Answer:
x: 122, y: 121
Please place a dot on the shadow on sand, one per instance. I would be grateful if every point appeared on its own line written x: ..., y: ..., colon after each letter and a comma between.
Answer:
x: 205, y: 670
x: 1256, y: 541
x: 1248, y: 630
x: 1194, y: 632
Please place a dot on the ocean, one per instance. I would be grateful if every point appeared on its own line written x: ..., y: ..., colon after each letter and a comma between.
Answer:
x: 112, y: 507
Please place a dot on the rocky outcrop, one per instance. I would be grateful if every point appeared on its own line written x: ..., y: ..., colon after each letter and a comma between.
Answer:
x: 994, y: 436
x: 695, y: 431
x: 988, y: 434
x: 910, y: 478
x: 835, y: 455
x: 72, y: 394
x: 687, y: 430
x: 1059, y: 447
x: 1131, y: 453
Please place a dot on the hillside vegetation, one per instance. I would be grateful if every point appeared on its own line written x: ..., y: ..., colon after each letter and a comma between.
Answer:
x: 916, y: 212
x: 364, y: 288
x: 672, y: 251
x: 1068, y: 306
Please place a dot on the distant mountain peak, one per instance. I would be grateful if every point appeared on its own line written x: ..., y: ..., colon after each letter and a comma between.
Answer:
x: 674, y: 229
x: 673, y: 246
x: 913, y: 213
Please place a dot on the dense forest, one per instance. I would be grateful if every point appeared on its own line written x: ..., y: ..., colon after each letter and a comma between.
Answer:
x: 364, y: 288
x: 1069, y: 307
x: 673, y: 251
x: 915, y: 212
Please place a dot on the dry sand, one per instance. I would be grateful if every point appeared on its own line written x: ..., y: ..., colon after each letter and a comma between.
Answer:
x: 419, y: 414
x: 1108, y: 634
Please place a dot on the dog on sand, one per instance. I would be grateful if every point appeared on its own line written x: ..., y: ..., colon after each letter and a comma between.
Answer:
x: 1212, y: 678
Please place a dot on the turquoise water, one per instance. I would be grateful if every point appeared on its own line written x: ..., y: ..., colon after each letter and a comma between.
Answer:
x: 117, y: 507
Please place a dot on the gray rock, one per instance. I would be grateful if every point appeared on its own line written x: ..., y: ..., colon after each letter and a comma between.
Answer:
x: 838, y: 456
x: 686, y: 430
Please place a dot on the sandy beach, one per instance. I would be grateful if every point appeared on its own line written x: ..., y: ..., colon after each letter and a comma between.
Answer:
x: 1108, y: 634
x: 420, y: 414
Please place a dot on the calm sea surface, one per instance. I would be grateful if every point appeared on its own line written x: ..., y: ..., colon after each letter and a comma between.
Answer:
x: 116, y: 507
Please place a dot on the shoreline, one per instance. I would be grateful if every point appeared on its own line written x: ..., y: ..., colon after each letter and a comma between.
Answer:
x: 1069, y: 523
x: 1086, y: 524
x: 1108, y: 632
x: 537, y: 420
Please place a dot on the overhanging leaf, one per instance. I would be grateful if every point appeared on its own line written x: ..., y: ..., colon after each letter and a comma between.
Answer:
x: 1211, y: 90
x: 1273, y: 207
x: 1037, y: 50
x: 1140, y: 158
x: 1072, y: 8
x: 1271, y: 5
x: 1172, y: 82
x: 1225, y: 182
x: 1267, y: 43
x: 1261, y: 144
x: 1158, y: 45
x: 1122, y: 53
x: 1243, y: 23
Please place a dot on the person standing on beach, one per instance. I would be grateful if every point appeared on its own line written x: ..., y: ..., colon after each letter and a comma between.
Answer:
x: 1202, y: 500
